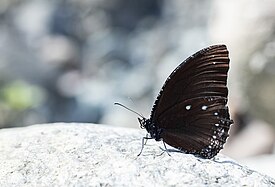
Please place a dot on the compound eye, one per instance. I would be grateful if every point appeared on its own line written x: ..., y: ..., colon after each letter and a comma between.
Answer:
x: 141, y: 122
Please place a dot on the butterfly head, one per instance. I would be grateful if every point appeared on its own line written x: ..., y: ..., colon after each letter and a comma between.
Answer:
x: 152, y: 129
x: 142, y: 122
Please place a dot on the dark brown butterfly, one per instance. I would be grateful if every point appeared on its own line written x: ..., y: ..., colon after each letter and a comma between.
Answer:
x: 190, y: 112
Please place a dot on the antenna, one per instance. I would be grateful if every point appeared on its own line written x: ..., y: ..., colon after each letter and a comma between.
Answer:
x: 128, y: 109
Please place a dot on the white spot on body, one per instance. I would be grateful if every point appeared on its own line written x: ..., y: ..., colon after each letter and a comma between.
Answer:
x: 188, y: 107
x: 215, y: 113
x: 214, y: 63
x: 217, y: 124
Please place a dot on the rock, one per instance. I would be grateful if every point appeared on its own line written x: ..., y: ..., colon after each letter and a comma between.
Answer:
x: 261, y: 163
x: 96, y: 155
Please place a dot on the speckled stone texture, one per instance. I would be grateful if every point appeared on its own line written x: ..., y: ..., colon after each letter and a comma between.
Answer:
x: 63, y: 154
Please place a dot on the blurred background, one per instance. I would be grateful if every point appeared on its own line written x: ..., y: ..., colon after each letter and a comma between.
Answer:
x: 70, y: 60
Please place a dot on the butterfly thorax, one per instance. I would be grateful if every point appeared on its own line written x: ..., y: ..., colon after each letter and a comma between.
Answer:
x: 151, y: 128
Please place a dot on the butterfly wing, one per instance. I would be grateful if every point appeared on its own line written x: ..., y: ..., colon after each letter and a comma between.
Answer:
x: 191, y: 106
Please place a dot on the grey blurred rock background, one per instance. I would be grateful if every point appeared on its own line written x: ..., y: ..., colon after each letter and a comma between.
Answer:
x: 71, y: 60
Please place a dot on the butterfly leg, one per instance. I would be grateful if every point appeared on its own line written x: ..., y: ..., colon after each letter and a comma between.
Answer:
x: 166, y: 150
x: 146, y: 139
x: 144, y: 143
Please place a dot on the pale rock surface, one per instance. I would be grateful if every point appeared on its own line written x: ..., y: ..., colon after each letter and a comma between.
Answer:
x: 74, y: 154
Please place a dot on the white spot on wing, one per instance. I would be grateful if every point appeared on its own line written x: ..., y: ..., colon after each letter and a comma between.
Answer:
x: 188, y: 107
x: 204, y: 107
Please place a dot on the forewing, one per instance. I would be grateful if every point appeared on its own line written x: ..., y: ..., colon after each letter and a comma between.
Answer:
x: 191, y: 107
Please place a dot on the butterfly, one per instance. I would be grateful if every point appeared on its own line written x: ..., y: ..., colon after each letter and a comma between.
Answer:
x: 191, y: 112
